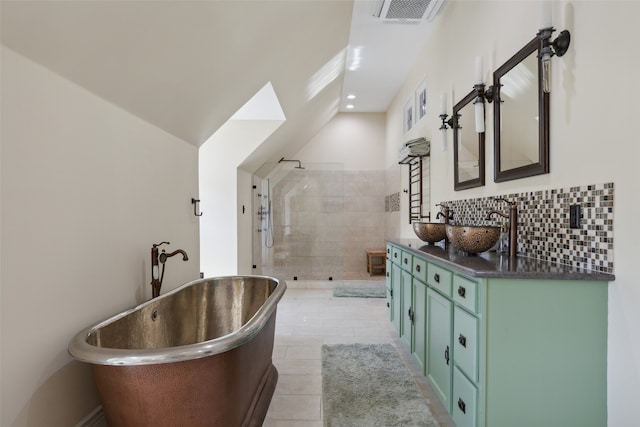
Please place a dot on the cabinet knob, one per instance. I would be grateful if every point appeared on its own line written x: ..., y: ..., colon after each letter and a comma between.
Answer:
x: 387, y: 274
x: 436, y: 277
x: 462, y: 406
x: 406, y: 261
x: 446, y: 354
x: 410, y: 314
x: 391, y: 292
x: 387, y: 305
x: 462, y: 291
x: 418, y: 268
x: 462, y: 340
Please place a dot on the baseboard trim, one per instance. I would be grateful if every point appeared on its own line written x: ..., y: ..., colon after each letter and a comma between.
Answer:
x: 94, y: 419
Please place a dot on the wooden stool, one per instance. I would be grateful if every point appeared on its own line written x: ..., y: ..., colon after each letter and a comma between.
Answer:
x: 376, y: 267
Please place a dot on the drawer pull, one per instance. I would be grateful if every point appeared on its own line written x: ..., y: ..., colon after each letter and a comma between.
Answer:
x: 395, y: 255
x: 462, y: 340
x: 391, y: 293
x: 388, y: 305
x: 410, y: 313
x: 462, y: 291
x: 436, y: 277
x: 387, y: 274
x: 446, y: 355
x: 418, y: 268
x: 462, y: 406
x: 406, y: 261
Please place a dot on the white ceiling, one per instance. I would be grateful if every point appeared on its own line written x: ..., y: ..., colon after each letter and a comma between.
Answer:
x: 387, y: 50
x: 188, y: 66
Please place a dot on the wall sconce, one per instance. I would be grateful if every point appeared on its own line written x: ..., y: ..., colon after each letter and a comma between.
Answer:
x: 558, y: 47
x: 481, y: 95
x: 443, y: 116
x: 451, y: 122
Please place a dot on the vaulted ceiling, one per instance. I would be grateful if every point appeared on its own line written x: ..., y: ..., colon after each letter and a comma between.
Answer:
x: 188, y: 66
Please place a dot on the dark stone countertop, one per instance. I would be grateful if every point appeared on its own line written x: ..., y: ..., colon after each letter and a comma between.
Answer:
x: 493, y: 265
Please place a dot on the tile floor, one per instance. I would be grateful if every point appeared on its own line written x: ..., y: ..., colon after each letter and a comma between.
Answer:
x: 309, y: 316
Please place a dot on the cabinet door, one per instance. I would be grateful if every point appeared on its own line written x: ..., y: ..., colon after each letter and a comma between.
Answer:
x: 396, y: 296
x: 439, y: 353
x: 389, y: 286
x: 407, y: 308
x: 420, y: 322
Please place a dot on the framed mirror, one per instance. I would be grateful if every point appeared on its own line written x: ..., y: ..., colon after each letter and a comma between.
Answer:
x: 520, y: 116
x: 468, y: 146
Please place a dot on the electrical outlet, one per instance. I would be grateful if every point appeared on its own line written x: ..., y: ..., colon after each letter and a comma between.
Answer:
x: 574, y: 216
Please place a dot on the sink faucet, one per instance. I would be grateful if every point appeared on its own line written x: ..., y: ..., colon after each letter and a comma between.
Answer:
x: 513, y: 224
x: 448, y: 214
x: 156, y: 260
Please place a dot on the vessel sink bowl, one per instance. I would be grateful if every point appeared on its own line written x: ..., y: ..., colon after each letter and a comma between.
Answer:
x: 430, y: 232
x: 473, y: 239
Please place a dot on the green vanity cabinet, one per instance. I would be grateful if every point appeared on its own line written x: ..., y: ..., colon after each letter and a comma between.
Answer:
x: 406, y: 300
x: 439, y: 353
x: 521, y: 346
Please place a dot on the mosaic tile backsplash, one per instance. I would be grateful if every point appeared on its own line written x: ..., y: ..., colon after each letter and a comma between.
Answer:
x: 392, y: 202
x: 543, y: 223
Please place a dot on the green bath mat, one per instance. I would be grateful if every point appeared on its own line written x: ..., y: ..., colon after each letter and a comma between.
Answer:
x: 367, y: 385
x: 360, y: 292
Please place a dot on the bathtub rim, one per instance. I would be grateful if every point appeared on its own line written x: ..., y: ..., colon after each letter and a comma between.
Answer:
x: 81, y: 350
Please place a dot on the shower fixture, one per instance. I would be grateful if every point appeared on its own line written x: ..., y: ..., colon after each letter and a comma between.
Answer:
x: 296, y: 161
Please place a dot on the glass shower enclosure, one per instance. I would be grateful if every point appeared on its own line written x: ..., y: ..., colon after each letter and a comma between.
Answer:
x: 299, y: 220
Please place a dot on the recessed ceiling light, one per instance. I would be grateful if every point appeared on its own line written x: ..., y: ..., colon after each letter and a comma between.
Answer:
x: 351, y: 96
x: 349, y: 106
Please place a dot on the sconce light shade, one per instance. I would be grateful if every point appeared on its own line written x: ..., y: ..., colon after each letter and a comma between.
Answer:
x: 479, y: 108
x: 546, y: 73
x: 557, y: 47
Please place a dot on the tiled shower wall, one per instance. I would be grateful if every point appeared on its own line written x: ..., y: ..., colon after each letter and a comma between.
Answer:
x: 323, y: 223
x: 543, y: 223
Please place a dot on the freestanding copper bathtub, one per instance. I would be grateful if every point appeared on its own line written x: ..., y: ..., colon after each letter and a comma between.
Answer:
x: 199, y: 355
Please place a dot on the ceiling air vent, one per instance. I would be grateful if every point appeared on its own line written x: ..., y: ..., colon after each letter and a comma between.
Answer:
x: 406, y: 10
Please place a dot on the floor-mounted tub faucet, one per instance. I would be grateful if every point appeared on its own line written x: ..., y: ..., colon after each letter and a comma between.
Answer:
x: 156, y: 260
x: 513, y: 224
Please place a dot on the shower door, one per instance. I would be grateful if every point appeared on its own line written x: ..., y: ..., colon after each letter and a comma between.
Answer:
x: 300, y: 221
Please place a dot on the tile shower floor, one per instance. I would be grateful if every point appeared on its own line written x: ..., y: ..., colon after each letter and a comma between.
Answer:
x: 309, y: 316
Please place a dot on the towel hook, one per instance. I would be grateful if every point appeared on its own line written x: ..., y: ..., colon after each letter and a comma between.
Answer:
x: 195, y: 202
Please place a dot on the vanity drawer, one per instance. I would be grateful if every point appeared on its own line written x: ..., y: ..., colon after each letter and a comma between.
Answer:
x: 465, y: 397
x: 465, y: 342
x: 440, y: 279
x: 407, y: 261
x: 396, y: 255
x: 465, y: 293
x: 420, y: 269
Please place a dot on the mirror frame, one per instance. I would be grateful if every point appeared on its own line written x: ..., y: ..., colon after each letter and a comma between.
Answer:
x: 542, y: 166
x: 476, y: 182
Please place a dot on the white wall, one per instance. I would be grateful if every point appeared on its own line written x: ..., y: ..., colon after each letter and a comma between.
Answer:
x: 354, y: 139
x: 593, y: 132
x: 222, y: 197
x: 87, y: 188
